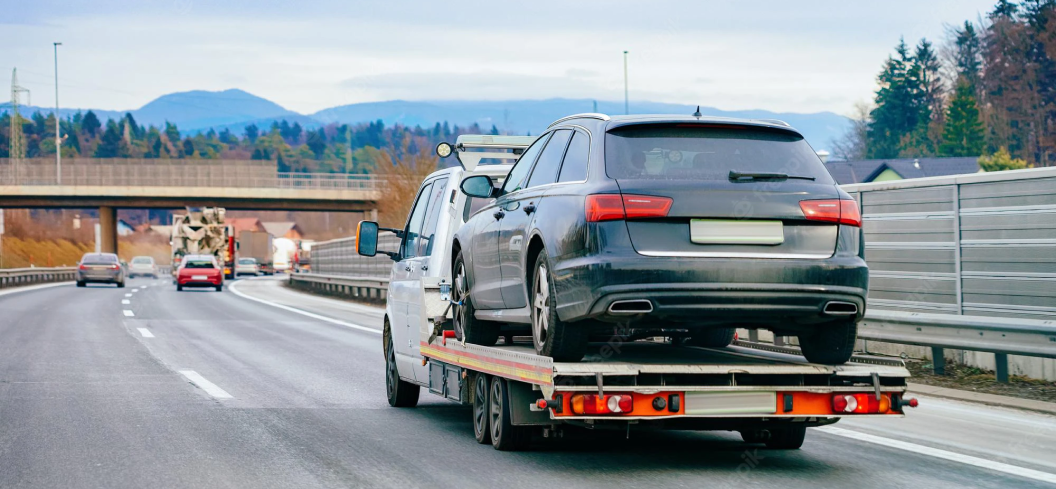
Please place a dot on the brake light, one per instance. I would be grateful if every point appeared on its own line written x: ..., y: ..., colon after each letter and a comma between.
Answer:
x: 860, y: 403
x: 838, y: 211
x: 82, y: 267
x: 603, y: 404
x: 114, y: 267
x: 609, y: 207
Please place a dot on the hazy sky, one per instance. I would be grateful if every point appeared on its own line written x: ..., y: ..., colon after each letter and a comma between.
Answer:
x: 804, y: 56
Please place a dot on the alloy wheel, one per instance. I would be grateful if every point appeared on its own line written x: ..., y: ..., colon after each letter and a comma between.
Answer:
x: 540, y: 307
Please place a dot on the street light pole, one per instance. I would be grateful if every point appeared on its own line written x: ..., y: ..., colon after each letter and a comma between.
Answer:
x: 626, y: 103
x: 58, y: 138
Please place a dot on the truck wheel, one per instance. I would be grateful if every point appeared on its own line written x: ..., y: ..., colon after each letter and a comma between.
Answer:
x: 554, y: 338
x: 787, y: 438
x: 480, y: 410
x: 832, y: 344
x: 400, y: 392
x: 473, y: 330
x: 504, y: 435
x: 712, y: 338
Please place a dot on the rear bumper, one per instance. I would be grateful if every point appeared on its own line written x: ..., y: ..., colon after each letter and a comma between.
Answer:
x: 710, y: 291
x: 199, y: 283
x: 106, y: 277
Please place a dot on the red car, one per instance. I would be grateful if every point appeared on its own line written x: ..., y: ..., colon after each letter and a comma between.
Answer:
x: 200, y: 271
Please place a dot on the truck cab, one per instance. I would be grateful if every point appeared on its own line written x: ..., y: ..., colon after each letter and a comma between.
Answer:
x: 424, y: 254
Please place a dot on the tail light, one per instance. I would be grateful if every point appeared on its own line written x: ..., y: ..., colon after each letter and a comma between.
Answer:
x: 860, y: 403
x: 114, y: 267
x: 602, y: 404
x: 838, y: 211
x: 82, y: 267
x: 609, y: 207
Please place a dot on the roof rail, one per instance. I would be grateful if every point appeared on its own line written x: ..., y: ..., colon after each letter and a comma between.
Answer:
x: 586, y: 115
x: 777, y: 122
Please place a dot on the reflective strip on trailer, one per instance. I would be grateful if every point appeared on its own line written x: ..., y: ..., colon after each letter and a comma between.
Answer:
x: 504, y: 368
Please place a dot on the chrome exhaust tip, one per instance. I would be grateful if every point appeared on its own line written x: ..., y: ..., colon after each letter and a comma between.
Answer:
x: 840, y: 308
x: 634, y: 306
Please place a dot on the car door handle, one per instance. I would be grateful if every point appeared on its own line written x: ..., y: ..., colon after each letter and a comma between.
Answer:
x: 530, y: 208
x: 499, y: 214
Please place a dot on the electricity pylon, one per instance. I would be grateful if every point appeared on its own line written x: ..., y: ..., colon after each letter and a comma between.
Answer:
x: 18, y: 141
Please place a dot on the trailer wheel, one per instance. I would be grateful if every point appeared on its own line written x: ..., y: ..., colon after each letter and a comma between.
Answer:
x: 504, y: 435
x: 787, y: 438
x: 553, y: 337
x: 712, y: 338
x: 832, y: 344
x: 472, y: 329
x: 400, y: 392
x: 481, y: 429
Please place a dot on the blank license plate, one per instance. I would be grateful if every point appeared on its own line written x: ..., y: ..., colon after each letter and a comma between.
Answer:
x: 725, y: 403
x: 717, y: 231
x: 199, y: 277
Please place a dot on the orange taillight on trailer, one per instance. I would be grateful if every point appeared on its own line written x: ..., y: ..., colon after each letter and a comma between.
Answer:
x: 602, y: 404
x: 860, y: 403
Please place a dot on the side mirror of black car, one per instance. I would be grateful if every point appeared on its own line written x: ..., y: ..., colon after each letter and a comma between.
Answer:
x: 367, y: 238
x: 479, y: 186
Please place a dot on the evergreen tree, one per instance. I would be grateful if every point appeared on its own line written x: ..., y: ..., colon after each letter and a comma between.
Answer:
x: 896, y: 113
x: 252, y: 132
x: 172, y: 132
x: 90, y: 125
x: 968, y: 55
x: 963, y: 134
x: 110, y: 143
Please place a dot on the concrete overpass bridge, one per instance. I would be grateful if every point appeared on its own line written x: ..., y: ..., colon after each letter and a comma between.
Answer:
x: 112, y: 184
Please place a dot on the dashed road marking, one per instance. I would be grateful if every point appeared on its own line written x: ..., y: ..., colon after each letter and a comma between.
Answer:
x: 145, y: 332
x: 128, y: 313
x: 128, y: 295
x: 943, y: 454
x: 135, y: 290
x: 209, y: 387
x: 126, y: 301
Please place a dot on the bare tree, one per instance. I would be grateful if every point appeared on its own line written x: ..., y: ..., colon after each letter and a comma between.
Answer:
x: 854, y: 143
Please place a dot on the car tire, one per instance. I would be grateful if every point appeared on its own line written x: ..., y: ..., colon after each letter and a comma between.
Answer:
x: 564, y: 342
x: 832, y: 344
x: 121, y: 284
x: 179, y: 288
x: 712, y: 338
x: 219, y: 288
x: 790, y: 438
x: 80, y: 284
x: 481, y: 428
x: 504, y: 435
x: 401, y: 394
x: 473, y: 330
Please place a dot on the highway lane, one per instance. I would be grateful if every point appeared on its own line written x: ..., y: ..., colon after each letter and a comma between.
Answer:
x: 87, y: 400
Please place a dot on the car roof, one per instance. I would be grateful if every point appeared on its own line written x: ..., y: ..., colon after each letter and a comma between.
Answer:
x: 199, y: 257
x: 614, y: 121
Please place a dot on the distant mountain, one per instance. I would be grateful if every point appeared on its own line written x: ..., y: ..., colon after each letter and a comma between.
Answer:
x: 521, y: 116
x: 199, y: 110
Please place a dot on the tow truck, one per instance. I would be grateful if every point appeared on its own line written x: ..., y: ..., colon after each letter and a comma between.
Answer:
x: 769, y: 394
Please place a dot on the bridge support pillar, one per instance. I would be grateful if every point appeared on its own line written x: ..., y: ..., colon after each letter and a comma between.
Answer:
x: 108, y: 229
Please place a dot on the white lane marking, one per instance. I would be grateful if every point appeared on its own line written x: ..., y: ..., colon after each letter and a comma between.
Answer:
x: 126, y: 301
x: 943, y: 454
x: 135, y: 290
x: 142, y: 286
x: 128, y: 313
x: 28, y: 288
x: 145, y: 332
x: 128, y: 295
x: 209, y: 387
x: 320, y: 317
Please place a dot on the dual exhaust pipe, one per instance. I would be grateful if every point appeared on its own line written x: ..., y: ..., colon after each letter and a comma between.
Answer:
x: 645, y: 306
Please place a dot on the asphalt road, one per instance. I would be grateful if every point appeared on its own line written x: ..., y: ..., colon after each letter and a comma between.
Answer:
x: 93, y: 396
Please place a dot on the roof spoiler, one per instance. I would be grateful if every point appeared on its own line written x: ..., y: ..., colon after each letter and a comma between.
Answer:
x: 471, y: 148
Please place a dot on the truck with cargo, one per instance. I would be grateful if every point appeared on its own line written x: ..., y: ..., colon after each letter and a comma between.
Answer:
x: 202, y: 231
x: 626, y: 382
x: 257, y: 245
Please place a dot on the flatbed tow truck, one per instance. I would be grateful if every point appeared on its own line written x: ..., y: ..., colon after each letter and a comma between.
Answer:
x: 769, y: 394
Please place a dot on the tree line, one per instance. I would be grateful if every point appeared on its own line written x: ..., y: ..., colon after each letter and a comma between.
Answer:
x: 989, y: 90
x: 333, y: 148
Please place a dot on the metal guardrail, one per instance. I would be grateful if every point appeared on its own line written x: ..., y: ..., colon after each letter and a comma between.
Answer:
x: 131, y: 172
x: 362, y: 288
x: 13, y: 277
x: 1000, y: 336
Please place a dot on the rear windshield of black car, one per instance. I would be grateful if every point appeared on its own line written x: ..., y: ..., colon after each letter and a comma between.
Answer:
x: 707, y: 152
x: 99, y: 259
x: 198, y: 264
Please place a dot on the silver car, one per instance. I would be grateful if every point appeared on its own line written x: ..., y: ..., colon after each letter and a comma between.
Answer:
x: 142, y: 266
x: 100, y: 268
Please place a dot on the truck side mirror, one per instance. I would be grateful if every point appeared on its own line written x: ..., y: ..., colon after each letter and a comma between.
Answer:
x: 479, y: 186
x: 367, y: 238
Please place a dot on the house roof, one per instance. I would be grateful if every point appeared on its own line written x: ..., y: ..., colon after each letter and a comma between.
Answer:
x: 847, y: 172
x: 280, y: 228
x: 244, y: 224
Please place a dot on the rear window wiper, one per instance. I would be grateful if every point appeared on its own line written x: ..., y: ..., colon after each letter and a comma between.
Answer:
x: 736, y: 175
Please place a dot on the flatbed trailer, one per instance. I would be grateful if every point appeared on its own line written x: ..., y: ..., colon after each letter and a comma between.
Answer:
x: 768, y: 394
